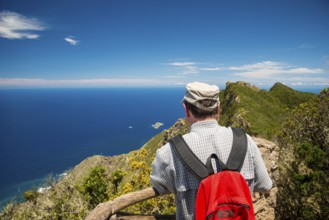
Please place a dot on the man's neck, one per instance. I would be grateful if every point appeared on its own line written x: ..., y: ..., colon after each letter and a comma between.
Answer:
x: 201, y: 119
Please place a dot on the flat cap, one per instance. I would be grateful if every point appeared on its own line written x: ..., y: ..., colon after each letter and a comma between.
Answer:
x: 197, y: 91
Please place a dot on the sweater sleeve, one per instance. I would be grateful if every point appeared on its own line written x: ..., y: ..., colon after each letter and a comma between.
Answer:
x: 262, y: 181
x: 162, y: 176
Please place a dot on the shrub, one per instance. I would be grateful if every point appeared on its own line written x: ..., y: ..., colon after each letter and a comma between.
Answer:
x: 304, y: 178
x: 8, y: 211
x: 116, y: 178
x: 30, y: 195
x: 140, y: 179
x: 95, y: 186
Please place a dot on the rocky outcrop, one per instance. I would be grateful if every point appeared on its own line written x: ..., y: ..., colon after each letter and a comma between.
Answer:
x: 264, y: 204
x: 245, y: 84
x: 180, y: 127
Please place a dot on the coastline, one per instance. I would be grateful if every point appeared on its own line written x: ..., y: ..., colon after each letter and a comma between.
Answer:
x: 39, y: 184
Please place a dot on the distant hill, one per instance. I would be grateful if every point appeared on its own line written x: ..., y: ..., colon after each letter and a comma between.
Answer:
x: 100, y: 178
x: 259, y: 112
x: 288, y: 96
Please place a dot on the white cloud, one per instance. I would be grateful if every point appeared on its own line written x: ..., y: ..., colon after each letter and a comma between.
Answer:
x: 212, y: 68
x: 71, y: 40
x: 304, y: 70
x: 16, y: 26
x: 185, y: 68
x: 28, y: 82
x: 266, y: 71
x: 248, y: 67
x: 256, y: 66
x: 181, y: 63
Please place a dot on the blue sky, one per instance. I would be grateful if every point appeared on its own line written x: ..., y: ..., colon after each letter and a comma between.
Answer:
x: 78, y: 43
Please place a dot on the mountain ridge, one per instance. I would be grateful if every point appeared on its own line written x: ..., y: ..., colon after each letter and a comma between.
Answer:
x: 258, y: 111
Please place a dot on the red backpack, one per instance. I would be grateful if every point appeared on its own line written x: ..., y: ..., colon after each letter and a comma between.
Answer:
x: 225, y: 194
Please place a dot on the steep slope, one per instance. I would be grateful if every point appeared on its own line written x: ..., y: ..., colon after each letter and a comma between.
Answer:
x: 66, y: 199
x: 259, y: 112
x: 304, y: 176
x: 289, y: 96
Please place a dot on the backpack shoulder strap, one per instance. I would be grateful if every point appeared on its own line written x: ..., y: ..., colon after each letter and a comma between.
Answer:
x: 188, y: 158
x: 198, y: 168
x: 239, y: 150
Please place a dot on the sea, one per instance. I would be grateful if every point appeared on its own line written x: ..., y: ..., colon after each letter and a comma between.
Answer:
x: 48, y: 131
x: 45, y: 132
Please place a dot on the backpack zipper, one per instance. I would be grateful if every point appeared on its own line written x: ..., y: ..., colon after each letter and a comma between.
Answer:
x: 223, y: 204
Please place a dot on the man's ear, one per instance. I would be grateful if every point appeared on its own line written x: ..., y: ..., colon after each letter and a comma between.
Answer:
x: 187, y: 110
x: 218, y: 112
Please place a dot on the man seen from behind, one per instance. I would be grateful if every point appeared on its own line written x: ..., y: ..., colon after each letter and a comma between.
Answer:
x: 206, y: 136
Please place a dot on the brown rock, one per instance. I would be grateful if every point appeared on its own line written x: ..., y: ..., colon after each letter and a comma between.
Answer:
x: 264, y: 204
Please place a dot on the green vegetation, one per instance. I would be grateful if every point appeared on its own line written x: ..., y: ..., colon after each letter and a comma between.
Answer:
x: 116, y: 178
x: 259, y: 112
x: 61, y: 202
x: 140, y: 179
x: 289, y: 97
x: 303, y: 187
x: 95, y: 186
x: 30, y: 195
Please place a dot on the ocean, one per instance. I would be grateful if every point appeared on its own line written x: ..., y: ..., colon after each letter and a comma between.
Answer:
x: 48, y: 131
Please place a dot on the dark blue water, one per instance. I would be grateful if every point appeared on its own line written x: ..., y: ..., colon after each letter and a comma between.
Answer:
x: 45, y: 131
